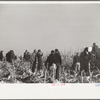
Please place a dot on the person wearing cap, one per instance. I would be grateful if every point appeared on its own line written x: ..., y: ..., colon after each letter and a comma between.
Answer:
x: 58, y: 62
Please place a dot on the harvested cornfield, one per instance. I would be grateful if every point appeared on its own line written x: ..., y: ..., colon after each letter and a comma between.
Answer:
x: 21, y: 72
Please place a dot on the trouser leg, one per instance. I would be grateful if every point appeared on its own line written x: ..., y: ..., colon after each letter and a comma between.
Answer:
x: 57, y: 71
x: 86, y: 69
x: 77, y: 67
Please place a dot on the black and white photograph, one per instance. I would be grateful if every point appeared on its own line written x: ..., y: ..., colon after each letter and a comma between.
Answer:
x: 49, y: 43
x: 49, y: 50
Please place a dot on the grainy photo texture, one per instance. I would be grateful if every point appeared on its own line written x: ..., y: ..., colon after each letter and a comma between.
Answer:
x: 49, y: 43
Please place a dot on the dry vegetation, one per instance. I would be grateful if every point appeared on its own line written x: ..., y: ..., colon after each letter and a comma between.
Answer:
x: 20, y: 72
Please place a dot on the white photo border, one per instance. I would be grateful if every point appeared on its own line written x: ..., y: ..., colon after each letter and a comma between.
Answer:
x: 50, y: 91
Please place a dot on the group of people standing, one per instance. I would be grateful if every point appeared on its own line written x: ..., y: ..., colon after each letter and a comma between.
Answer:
x: 36, y: 59
x: 10, y: 56
x: 54, y: 58
x: 80, y: 61
x: 87, y: 61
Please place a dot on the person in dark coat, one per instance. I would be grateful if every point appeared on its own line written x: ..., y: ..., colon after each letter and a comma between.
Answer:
x: 10, y: 56
x: 58, y: 62
x: 26, y: 56
x: 33, y: 60
x: 39, y: 60
x: 85, y: 58
x: 1, y: 55
x: 76, y: 62
x: 50, y: 60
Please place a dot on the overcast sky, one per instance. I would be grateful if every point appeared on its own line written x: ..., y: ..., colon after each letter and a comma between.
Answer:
x: 48, y: 26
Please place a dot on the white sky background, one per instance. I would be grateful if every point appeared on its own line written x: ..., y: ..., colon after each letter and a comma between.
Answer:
x: 48, y: 26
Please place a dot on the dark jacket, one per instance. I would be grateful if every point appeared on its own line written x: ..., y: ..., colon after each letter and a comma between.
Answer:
x: 84, y: 59
x: 9, y: 57
x: 76, y: 59
x: 58, y: 58
x: 50, y: 60
x: 26, y: 56
x: 39, y: 59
